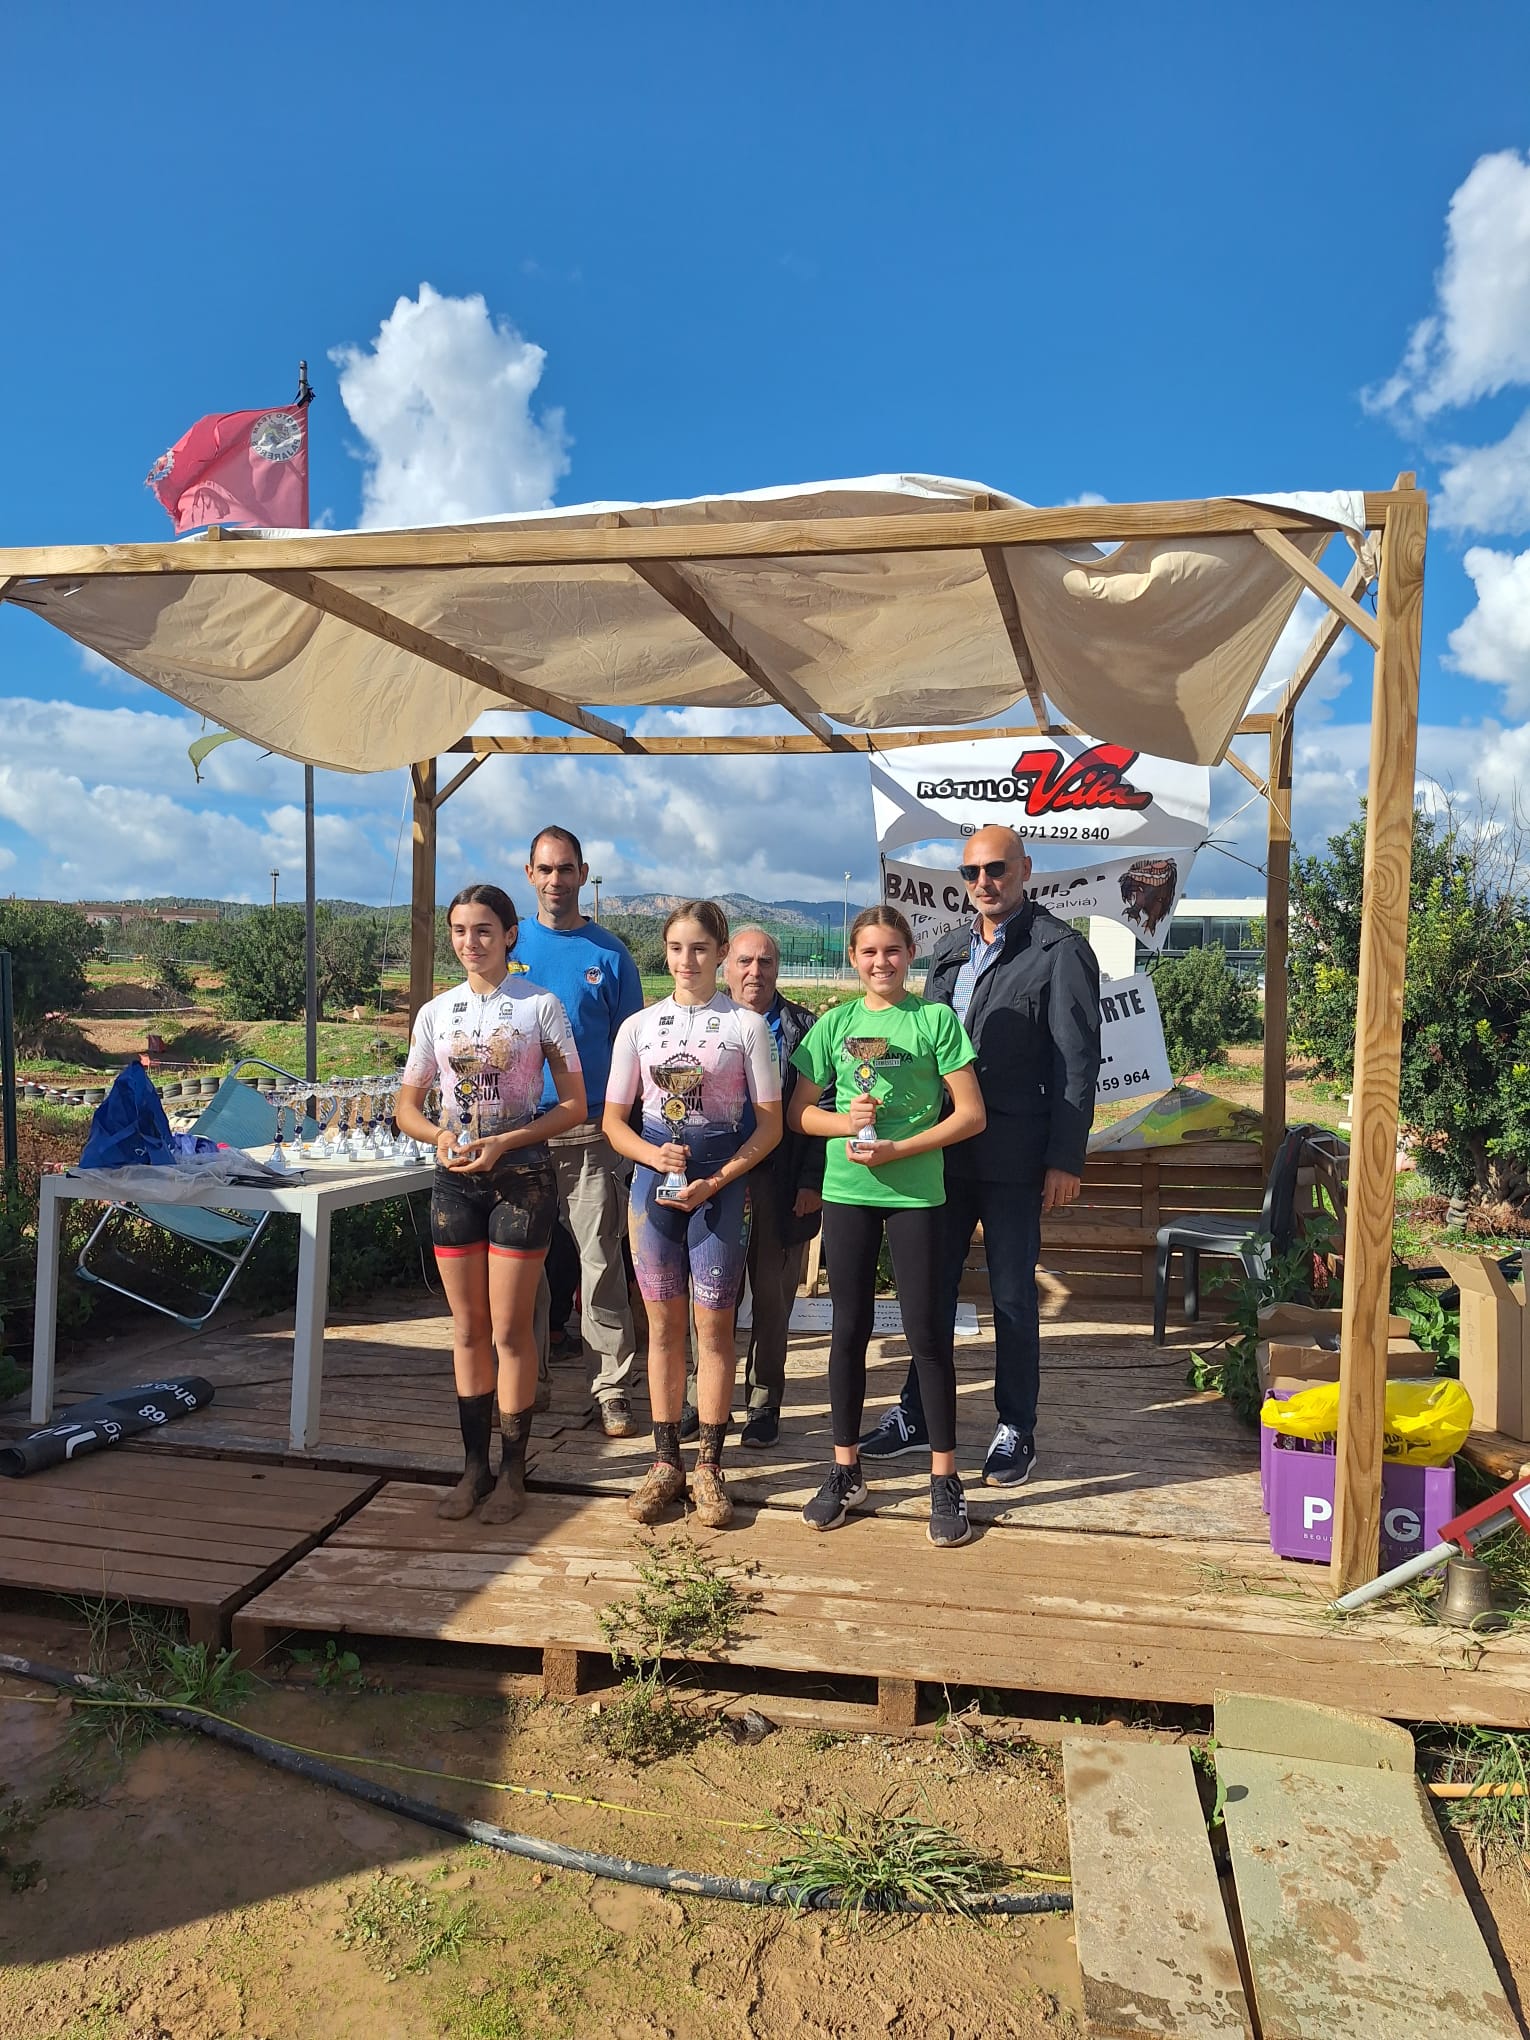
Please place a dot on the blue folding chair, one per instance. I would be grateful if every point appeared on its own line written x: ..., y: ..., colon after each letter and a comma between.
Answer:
x: 237, y: 1116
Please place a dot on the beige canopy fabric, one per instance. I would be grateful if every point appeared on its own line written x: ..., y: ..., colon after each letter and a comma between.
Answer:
x: 1158, y: 644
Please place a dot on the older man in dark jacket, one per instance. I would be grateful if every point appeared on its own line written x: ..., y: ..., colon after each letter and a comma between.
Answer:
x: 785, y: 1193
x: 1027, y: 989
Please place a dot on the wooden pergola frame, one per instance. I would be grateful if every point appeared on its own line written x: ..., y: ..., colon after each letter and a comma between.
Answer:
x: 659, y: 554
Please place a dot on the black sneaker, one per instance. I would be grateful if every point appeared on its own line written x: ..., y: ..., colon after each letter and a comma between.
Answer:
x: 897, y: 1433
x: 1011, y: 1457
x: 690, y: 1422
x: 761, y: 1429
x: 843, y: 1491
x: 948, y: 1511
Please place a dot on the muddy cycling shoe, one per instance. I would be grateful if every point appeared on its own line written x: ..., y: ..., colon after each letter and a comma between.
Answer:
x: 466, y: 1495
x: 508, y: 1498
x: 661, y: 1487
x: 710, y: 1498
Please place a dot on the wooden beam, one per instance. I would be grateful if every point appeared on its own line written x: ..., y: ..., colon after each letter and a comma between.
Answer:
x: 1378, y: 1046
x: 781, y: 744
x: 687, y: 600
x: 1329, y: 630
x: 1277, y: 930
x: 438, y: 651
x: 422, y: 896
x: 458, y: 778
x: 1358, y: 619
x: 1009, y: 610
x: 763, y: 538
x: 1255, y: 726
x: 1260, y: 786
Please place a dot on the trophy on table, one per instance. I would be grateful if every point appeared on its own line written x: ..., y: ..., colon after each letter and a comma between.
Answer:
x: 865, y: 1052
x: 679, y: 1077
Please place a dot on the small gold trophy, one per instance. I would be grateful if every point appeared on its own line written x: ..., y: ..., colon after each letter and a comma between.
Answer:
x: 679, y: 1077
x: 865, y: 1052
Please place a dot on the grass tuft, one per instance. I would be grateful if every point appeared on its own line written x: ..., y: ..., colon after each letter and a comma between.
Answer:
x: 152, y: 1662
x: 875, y: 1859
x: 404, y: 1928
x: 1498, y: 1824
x: 685, y: 1603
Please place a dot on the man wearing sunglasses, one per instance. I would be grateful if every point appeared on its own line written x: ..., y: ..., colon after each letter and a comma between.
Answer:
x: 1027, y: 989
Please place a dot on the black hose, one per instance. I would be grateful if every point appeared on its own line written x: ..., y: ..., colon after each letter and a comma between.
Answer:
x: 622, y: 1869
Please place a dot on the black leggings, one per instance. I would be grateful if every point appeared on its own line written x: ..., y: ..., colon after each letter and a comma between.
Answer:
x: 852, y: 1240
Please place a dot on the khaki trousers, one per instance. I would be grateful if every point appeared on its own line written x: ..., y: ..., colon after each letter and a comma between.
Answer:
x: 592, y: 1200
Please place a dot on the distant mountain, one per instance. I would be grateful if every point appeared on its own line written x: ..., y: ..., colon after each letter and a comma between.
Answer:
x: 739, y: 907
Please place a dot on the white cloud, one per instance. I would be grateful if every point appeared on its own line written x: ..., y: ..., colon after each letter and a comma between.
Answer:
x: 442, y: 400
x: 1493, y: 644
x: 7, y: 858
x: 1477, y: 340
x: 1487, y: 488
x: 778, y: 827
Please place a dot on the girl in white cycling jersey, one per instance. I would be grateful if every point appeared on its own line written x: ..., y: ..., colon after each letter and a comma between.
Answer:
x: 487, y: 1044
x: 707, y: 1074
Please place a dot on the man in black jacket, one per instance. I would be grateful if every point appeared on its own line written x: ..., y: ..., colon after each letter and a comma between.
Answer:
x: 785, y: 1192
x: 1027, y: 989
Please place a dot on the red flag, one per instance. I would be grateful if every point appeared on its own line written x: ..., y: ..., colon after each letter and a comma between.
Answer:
x: 240, y: 467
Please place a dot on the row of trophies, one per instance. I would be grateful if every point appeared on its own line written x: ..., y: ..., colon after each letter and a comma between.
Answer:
x: 340, y: 1119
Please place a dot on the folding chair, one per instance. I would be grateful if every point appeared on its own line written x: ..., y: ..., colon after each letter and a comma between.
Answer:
x: 238, y: 1117
x: 1229, y: 1235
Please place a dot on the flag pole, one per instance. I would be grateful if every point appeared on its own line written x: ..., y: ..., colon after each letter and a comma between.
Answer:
x: 310, y: 903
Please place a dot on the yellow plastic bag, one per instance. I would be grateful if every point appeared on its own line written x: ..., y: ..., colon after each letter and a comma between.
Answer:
x: 1427, y: 1421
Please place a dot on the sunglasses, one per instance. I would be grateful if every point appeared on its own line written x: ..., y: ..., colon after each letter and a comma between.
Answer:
x: 994, y: 868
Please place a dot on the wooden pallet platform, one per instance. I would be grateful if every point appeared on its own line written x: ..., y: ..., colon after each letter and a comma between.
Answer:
x: 1125, y: 1446
x: 192, y: 1534
x: 1132, y: 1618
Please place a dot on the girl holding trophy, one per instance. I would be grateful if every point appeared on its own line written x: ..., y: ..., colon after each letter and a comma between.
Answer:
x: 487, y: 1044
x: 707, y: 1075
x: 894, y: 1061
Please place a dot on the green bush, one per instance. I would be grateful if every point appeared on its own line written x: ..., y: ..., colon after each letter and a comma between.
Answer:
x: 1465, y: 1080
x: 1205, y: 1006
x: 263, y: 970
x: 50, y: 947
x: 348, y: 949
x: 162, y: 945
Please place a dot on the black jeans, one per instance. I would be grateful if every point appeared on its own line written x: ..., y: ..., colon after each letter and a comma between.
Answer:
x: 1010, y: 1215
x: 852, y: 1240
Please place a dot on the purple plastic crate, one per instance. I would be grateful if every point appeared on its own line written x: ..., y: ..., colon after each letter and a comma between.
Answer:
x: 1415, y: 1502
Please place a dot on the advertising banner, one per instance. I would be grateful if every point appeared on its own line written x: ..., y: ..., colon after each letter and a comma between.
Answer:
x: 1139, y: 892
x: 1048, y: 789
x: 1133, y: 1059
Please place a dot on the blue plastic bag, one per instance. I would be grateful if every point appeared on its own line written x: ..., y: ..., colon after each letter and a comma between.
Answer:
x: 129, y: 1128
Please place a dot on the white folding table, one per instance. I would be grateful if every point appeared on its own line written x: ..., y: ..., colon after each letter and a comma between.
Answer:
x: 322, y: 1189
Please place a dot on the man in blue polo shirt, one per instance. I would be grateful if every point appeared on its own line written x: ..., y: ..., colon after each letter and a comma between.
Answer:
x: 593, y: 973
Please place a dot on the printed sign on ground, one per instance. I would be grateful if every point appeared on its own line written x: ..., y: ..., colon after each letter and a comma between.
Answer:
x: 1048, y: 789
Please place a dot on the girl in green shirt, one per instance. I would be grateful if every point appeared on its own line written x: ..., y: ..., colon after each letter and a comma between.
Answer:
x: 894, y: 1061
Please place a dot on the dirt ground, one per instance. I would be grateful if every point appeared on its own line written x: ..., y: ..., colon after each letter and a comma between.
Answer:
x: 189, y: 1893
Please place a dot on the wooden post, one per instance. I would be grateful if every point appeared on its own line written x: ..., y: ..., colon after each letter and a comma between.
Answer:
x: 1277, y: 928
x: 1378, y: 1044
x: 422, y: 911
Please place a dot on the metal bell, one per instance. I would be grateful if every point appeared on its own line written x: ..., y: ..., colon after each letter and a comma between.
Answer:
x: 1467, y: 1602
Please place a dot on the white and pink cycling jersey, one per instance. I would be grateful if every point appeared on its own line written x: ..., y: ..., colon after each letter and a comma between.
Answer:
x: 488, y: 1051
x: 714, y: 1061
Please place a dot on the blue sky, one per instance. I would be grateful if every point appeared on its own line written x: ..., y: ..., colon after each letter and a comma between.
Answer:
x: 1140, y: 253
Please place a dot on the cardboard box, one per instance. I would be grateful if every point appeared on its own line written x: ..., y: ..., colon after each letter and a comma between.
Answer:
x: 1493, y: 1343
x: 1301, y: 1344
